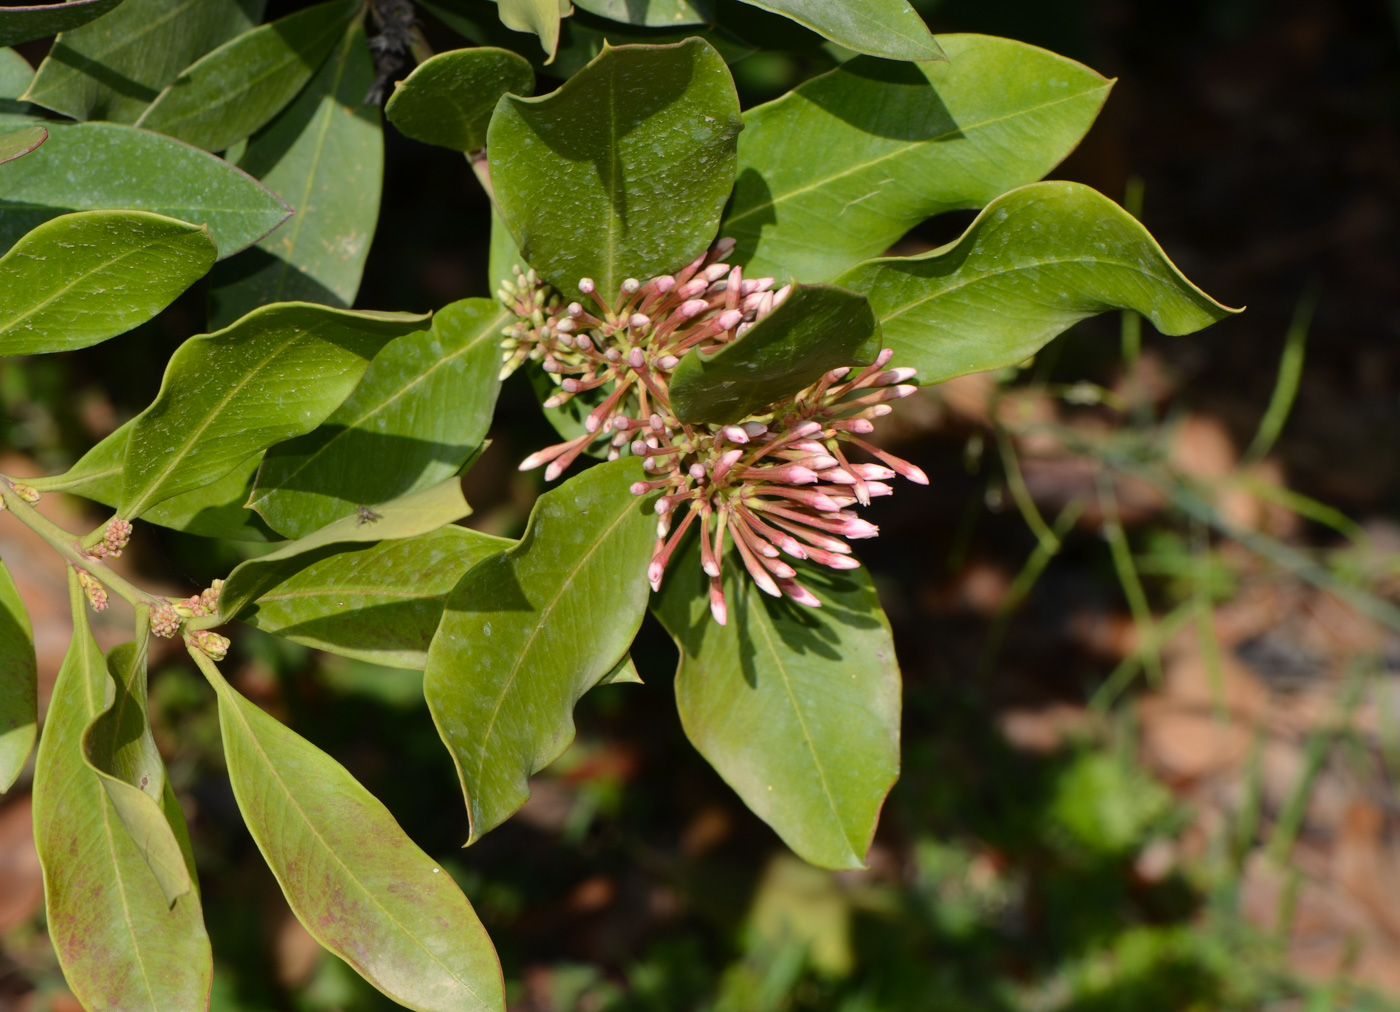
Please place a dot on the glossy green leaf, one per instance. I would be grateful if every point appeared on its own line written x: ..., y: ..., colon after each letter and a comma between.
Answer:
x: 113, y: 69
x: 837, y: 170
x: 624, y: 672
x: 504, y: 255
x: 539, y: 17
x: 816, y: 329
x: 531, y: 629
x: 105, y: 166
x: 355, y: 880
x: 449, y: 98
x: 324, y: 154
x: 119, y: 748
x: 240, y: 86
x: 652, y: 13
x: 37, y: 21
x: 121, y: 945
x: 275, y: 374
x: 421, y: 410
x: 407, y: 517
x: 15, y: 77
x: 797, y: 708
x: 381, y: 603
x: 1035, y: 262
x: 19, y: 674
x: 21, y: 142
x: 887, y: 28
x: 82, y: 278
x: 623, y: 171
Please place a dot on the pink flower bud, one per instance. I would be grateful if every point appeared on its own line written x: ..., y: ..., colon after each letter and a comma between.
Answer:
x: 718, y: 609
x: 636, y: 359
x: 613, y: 355
x: 656, y: 423
x: 664, y: 283
x: 586, y: 286
x: 565, y: 326
x: 755, y: 429
x: 575, y: 309
x: 735, y: 434
x: 640, y: 487
x: 571, y: 385
x: 799, y: 593
x: 692, y: 308
x: 714, y: 272
x: 631, y: 285
x: 895, y: 376
x: 730, y: 318
x: 668, y: 362
x: 639, y: 320
x: 723, y: 247
x: 883, y: 358
x: 697, y: 471
x: 858, y: 529
x: 691, y: 289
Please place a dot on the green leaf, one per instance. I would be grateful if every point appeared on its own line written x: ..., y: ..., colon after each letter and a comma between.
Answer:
x: 324, y: 154
x: 891, y: 29
x: 21, y: 142
x: 381, y: 603
x: 275, y: 374
x: 113, y: 69
x: 407, y: 517
x: 19, y: 679
x: 15, y: 77
x: 623, y: 672
x: 240, y: 86
x: 449, y: 98
x: 360, y: 886
x: 797, y: 708
x: 121, y: 945
x: 1035, y: 262
x: 24, y: 24
x: 814, y: 330
x: 837, y: 170
x: 531, y: 629
x: 504, y: 255
x: 540, y: 17
x: 420, y: 412
x: 105, y: 166
x: 652, y: 13
x: 119, y: 748
x: 80, y: 279
x: 623, y: 171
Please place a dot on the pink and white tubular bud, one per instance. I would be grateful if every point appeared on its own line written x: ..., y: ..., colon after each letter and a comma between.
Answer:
x: 692, y: 308
x: 586, y: 286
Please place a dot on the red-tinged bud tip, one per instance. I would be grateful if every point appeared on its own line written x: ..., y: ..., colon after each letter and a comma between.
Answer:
x: 692, y: 308
x: 636, y: 359
x: 883, y: 358
x: 799, y: 593
x: 668, y: 362
x: 857, y: 529
x: 697, y: 471
x: 718, y: 609
x: 639, y: 320
x: 639, y: 447
x: 710, y: 566
x: 730, y: 318
x: 914, y: 473
x: 664, y: 283
x: 554, y: 470
x: 586, y: 286
x: 571, y: 385
x: 531, y: 462
x: 575, y: 309
x: 735, y: 434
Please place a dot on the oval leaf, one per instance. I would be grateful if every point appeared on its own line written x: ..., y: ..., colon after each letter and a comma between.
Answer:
x: 240, y: 86
x: 118, y: 746
x: 407, y: 517
x: 21, y: 142
x: 797, y: 708
x: 837, y: 170
x: 816, y: 329
x: 121, y: 945
x: 23, y: 24
x: 421, y: 411
x: 82, y: 278
x: 541, y: 17
x: 888, y: 28
x: 362, y: 888
x: 380, y: 604
x: 579, y: 179
x: 449, y: 98
x: 1035, y: 262
x: 652, y: 13
x: 324, y: 154
x: 530, y: 630
x: 113, y: 68
x: 19, y: 679
x: 106, y: 166
x: 275, y: 374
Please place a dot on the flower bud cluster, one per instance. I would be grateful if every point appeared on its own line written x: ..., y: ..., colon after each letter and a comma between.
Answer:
x: 166, y: 618
x: 210, y: 643
x: 28, y: 493
x: 778, y: 483
x: 114, y: 539
x: 96, y: 593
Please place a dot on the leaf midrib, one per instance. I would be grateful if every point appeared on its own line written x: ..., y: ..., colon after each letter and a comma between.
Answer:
x: 898, y: 152
x: 272, y: 769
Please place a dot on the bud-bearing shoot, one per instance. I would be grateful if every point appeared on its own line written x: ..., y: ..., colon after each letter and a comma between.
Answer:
x: 777, y: 483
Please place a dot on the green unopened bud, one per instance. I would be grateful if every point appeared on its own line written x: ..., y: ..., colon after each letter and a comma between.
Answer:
x: 26, y: 492
x: 212, y: 644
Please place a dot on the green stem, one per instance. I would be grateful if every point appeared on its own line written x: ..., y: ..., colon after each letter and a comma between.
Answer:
x: 70, y: 546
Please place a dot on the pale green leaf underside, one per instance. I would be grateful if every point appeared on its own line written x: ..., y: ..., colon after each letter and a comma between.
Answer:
x: 113, y: 68
x: 19, y: 673
x: 887, y: 28
x: 107, y: 166
x: 1035, y: 262
x: 120, y: 944
x: 816, y: 329
x: 797, y: 708
x: 119, y: 748
x: 407, y: 517
x: 362, y: 888
x: 21, y: 142
x: 541, y: 17
x: 380, y: 604
x: 82, y: 278
x: 623, y: 171
x: 232, y: 91
x: 15, y: 76
x: 652, y: 13
x: 421, y: 410
x: 324, y: 154
x: 837, y: 170
x: 24, y: 24
x: 531, y: 629
x: 276, y: 373
x: 449, y: 98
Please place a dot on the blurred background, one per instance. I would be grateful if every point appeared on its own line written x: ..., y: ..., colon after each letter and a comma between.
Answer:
x: 1146, y: 611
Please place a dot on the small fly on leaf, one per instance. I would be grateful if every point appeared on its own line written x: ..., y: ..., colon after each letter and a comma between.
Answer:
x: 365, y: 515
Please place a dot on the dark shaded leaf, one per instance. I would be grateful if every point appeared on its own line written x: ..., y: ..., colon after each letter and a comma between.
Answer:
x: 37, y: 21
x: 19, y: 674
x: 449, y: 98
